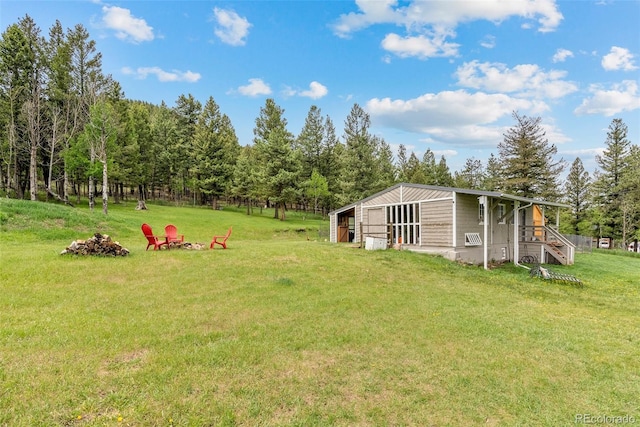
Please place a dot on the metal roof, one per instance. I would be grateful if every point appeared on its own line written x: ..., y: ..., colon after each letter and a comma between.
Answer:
x: 493, y: 194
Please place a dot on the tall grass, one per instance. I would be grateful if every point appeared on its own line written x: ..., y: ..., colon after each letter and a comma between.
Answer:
x: 283, y: 328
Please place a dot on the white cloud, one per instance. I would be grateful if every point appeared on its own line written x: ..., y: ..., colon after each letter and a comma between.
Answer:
x: 419, y: 46
x: 316, y: 91
x: 446, y: 108
x: 621, y: 97
x: 561, y: 55
x: 446, y: 153
x: 161, y: 75
x: 127, y: 27
x: 447, y: 14
x: 256, y: 87
x: 488, y: 42
x: 618, y: 58
x: 457, y: 117
x: 524, y: 80
x: 232, y: 28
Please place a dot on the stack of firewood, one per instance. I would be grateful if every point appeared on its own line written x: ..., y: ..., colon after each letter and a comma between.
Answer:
x: 99, y: 244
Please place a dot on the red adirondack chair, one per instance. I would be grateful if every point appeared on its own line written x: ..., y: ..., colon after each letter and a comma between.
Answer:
x: 220, y: 240
x: 171, y: 232
x: 156, y: 241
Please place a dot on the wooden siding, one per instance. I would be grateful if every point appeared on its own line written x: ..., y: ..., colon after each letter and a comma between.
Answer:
x: 387, y: 198
x: 467, y: 220
x: 333, y: 228
x: 373, y: 220
x: 437, y: 223
x: 406, y: 195
x: 411, y: 194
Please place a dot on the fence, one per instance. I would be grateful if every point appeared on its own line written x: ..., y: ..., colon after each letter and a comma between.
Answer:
x: 582, y: 243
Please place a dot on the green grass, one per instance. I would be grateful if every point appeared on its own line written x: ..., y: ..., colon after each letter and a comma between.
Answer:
x: 283, y: 328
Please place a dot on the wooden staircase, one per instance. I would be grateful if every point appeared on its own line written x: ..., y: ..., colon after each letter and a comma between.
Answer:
x: 551, y: 242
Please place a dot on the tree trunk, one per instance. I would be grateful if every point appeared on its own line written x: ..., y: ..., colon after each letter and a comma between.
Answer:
x: 105, y: 188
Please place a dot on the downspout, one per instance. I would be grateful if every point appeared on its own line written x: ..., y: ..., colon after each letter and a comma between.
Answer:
x: 516, y: 229
x: 485, y: 226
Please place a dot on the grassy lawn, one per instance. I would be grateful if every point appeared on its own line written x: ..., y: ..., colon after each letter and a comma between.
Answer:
x: 284, y: 328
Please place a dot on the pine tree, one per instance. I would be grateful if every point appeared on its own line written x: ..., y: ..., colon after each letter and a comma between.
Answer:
x: 215, y: 151
x: 527, y: 159
x: 631, y: 195
x: 359, y: 157
x: 310, y: 142
x: 280, y: 164
x: 246, y: 177
x: 187, y: 111
x: 609, y: 190
x: 429, y: 167
x: 414, y: 170
x: 443, y: 174
x: 471, y: 176
x: 401, y: 164
x: 492, y: 180
x: 577, y: 190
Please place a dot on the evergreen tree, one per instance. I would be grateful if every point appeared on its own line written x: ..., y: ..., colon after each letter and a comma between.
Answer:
x: 280, y: 164
x: 62, y: 108
x: 630, y: 184
x: 330, y: 165
x: 492, y: 180
x: 402, y: 163
x: 310, y: 142
x: 187, y: 110
x: 386, y: 171
x: 429, y: 167
x: 577, y: 190
x: 167, y: 152
x: 471, y: 176
x: 443, y: 174
x: 359, y: 157
x: 527, y: 160
x: 246, y: 177
x: 215, y: 153
x: 414, y: 170
x: 16, y: 64
x: 610, y: 192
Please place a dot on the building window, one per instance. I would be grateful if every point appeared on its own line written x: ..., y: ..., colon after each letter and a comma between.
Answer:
x: 472, y: 239
x: 405, y: 223
x: 480, y: 213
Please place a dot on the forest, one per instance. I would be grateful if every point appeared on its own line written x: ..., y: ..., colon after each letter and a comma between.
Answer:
x: 69, y: 134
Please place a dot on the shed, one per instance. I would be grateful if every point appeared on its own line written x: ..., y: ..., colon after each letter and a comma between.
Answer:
x: 464, y: 225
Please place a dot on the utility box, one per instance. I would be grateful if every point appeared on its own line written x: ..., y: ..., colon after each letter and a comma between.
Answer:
x: 375, y: 243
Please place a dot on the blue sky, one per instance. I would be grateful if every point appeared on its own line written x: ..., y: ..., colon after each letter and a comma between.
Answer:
x: 444, y: 75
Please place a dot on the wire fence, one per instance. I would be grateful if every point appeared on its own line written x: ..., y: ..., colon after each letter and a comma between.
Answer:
x: 582, y: 243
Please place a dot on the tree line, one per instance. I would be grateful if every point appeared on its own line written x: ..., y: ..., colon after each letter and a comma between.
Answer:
x: 68, y: 132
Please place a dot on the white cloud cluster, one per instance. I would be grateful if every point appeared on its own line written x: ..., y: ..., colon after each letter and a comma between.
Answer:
x: 524, y: 80
x: 429, y: 24
x: 449, y: 115
x: 618, y: 58
x: 620, y: 97
x: 231, y: 28
x: 126, y: 26
x: 163, y: 76
x: 316, y: 91
x: 561, y: 55
x: 256, y: 87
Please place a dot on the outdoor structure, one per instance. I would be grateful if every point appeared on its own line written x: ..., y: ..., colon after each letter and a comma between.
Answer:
x: 462, y: 225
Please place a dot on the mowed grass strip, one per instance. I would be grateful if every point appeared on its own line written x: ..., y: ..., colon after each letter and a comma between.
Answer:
x: 283, y: 328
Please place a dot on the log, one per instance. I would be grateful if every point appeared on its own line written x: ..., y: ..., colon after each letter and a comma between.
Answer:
x: 99, y: 244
